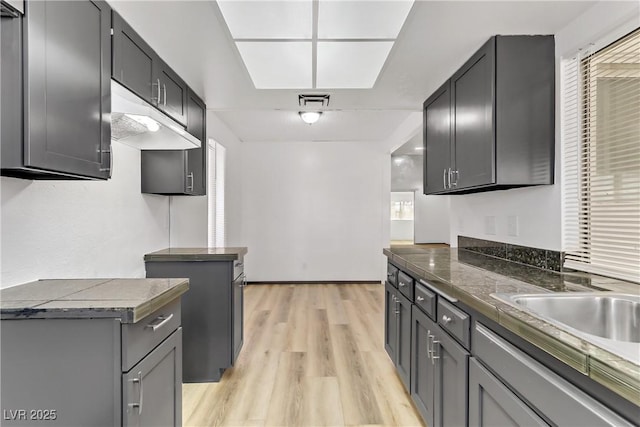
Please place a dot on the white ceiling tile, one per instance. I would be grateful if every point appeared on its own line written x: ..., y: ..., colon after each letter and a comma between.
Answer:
x: 350, y: 64
x: 361, y: 19
x: 268, y: 19
x: 277, y: 65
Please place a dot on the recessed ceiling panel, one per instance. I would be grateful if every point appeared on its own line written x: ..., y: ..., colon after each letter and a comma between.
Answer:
x: 268, y: 19
x: 277, y: 65
x: 350, y: 64
x: 361, y: 19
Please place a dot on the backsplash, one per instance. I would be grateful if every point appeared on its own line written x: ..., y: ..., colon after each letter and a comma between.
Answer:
x: 541, y: 258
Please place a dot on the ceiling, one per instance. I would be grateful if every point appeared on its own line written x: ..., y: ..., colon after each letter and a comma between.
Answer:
x: 435, y: 40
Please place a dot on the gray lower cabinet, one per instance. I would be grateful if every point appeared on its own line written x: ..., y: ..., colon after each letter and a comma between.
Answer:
x: 212, y: 318
x: 550, y: 396
x: 492, y: 404
x: 93, y: 371
x: 63, y: 127
x: 439, y: 373
x: 398, y: 332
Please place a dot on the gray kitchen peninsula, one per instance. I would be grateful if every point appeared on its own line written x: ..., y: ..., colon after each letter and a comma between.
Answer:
x: 92, y: 352
x: 213, y: 308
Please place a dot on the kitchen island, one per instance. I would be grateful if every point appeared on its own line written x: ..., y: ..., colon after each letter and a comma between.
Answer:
x: 213, y: 309
x: 467, y: 282
x: 92, y: 352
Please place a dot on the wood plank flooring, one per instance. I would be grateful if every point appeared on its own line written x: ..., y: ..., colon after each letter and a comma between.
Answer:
x: 313, y: 355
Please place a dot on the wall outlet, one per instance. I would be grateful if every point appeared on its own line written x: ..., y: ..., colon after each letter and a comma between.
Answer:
x: 490, y: 225
x: 512, y: 225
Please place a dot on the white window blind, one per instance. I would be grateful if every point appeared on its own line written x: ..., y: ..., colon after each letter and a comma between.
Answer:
x: 601, y: 159
x: 216, y: 184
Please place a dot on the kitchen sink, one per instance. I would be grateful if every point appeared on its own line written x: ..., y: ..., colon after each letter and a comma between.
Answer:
x: 609, y: 319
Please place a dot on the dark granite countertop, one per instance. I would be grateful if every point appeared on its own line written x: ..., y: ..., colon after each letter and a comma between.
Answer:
x: 472, y: 278
x: 196, y: 254
x: 127, y: 299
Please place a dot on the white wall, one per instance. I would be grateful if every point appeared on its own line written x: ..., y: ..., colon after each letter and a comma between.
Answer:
x: 431, y: 218
x: 539, y: 209
x: 65, y: 229
x: 313, y: 211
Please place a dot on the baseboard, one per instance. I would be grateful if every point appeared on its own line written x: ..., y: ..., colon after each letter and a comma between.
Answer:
x: 318, y: 282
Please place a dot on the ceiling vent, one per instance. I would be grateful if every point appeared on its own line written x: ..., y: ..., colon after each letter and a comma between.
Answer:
x: 313, y: 101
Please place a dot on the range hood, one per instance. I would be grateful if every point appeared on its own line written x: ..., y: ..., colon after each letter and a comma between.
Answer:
x: 138, y: 124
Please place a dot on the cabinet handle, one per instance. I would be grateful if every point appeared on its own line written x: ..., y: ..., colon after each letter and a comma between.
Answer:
x: 446, y: 319
x: 158, y: 99
x: 162, y: 321
x: 402, y: 284
x: 456, y: 174
x: 449, y: 178
x: 190, y: 182
x: 444, y: 178
x: 164, y: 88
x: 433, y: 350
x: 419, y: 298
x: 110, y: 152
x: 429, y: 336
x: 138, y: 381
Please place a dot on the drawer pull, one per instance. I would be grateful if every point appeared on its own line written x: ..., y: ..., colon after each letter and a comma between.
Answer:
x: 162, y: 321
x: 433, y: 350
x: 138, y: 381
x: 446, y: 319
x: 402, y: 284
x: 419, y: 298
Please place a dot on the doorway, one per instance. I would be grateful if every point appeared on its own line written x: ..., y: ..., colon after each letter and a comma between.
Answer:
x: 402, y: 217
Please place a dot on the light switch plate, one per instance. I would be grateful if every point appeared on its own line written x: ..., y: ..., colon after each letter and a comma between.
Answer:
x: 490, y: 225
x: 512, y: 225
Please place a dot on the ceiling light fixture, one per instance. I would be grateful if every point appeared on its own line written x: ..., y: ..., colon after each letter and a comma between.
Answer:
x: 310, y: 117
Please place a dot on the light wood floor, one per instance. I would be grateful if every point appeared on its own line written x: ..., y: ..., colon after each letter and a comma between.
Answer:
x: 313, y: 355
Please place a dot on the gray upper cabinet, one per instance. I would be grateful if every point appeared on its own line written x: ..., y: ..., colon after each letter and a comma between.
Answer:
x: 179, y: 172
x: 172, y: 92
x: 502, y: 119
x: 437, y: 140
x: 133, y: 61
x: 66, y: 131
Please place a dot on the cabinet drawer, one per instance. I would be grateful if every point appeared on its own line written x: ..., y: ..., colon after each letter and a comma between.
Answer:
x: 392, y: 274
x: 426, y: 300
x: 238, y: 267
x: 454, y: 321
x: 405, y: 285
x: 138, y: 339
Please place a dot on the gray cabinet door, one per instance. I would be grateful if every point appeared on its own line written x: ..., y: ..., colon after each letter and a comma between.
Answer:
x: 422, y: 367
x: 237, y: 313
x: 403, y: 355
x: 173, y: 92
x: 451, y: 376
x: 390, y: 321
x: 437, y: 140
x: 133, y: 61
x: 152, y: 389
x: 472, y: 91
x: 165, y: 172
x: 491, y: 403
x: 197, y: 157
x: 68, y: 87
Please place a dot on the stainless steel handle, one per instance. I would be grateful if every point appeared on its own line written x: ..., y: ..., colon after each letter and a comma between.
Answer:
x: 449, y: 178
x: 429, y: 337
x: 419, y: 298
x: 164, y: 88
x: 138, y: 404
x: 158, y: 99
x: 110, y: 152
x: 402, y: 284
x: 162, y: 321
x: 444, y: 178
x: 446, y: 319
x: 433, y: 351
x: 189, y: 182
x: 456, y: 174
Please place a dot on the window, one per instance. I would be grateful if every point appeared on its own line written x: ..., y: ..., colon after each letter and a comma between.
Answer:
x: 216, y: 184
x: 601, y: 159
